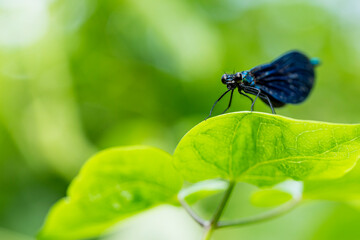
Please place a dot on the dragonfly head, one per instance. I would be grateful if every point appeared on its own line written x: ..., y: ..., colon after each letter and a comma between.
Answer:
x: 231, y: 80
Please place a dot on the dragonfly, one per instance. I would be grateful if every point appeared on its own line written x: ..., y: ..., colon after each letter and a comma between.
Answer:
x: 286, y: 80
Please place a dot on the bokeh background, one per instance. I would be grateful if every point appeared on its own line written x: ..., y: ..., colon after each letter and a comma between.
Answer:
x: 80, y: 76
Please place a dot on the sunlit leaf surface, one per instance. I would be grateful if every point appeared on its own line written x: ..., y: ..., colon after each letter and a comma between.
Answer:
x: 265, y: 149
x: 114, y: 184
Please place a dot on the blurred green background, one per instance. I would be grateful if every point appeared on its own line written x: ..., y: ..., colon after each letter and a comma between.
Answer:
x: 80, y: 76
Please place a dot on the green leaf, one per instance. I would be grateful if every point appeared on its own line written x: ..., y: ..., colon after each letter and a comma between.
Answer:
x: 202, y: 190
x: 265, y: 149
x: 113, y: 185
x: 269, y: 198
x: 279, y: 194
x: 345, y: 189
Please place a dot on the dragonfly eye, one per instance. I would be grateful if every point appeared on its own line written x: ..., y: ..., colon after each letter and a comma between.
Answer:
x: 238, y: 75
x: 223, y: 79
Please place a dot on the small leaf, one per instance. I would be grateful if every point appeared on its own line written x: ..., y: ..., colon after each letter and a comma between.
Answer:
x: 269, y: 198
x: 279, y: 194
x: 265, y: 149
x: 202, y: 190
x: 112, y: 185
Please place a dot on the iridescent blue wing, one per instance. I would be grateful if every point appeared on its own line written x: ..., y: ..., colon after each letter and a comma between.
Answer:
x: 288, y: 79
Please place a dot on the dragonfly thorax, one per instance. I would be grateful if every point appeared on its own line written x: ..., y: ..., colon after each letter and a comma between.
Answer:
x: 247, y: 78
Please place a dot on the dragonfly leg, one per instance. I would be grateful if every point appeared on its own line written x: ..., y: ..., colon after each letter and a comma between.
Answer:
x: 231, y: 96
x: 262, y: 95
x: 252, y: 100
x: 217, y: 102
x: 270, y: 104
x: 257, y: 95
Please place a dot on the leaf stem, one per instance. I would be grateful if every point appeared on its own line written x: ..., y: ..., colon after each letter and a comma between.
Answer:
x: 213, y: 224
x: 210, y: 226
x: 192, y: 214
x: 262, y: 217
x: 208, y: 233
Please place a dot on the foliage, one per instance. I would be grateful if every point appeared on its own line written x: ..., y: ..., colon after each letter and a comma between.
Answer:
x: 258, y: 148
x: 263, y: 149
x: 113, y: 185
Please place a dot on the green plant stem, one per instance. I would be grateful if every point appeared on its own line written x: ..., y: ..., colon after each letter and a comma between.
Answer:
x: 208, y: 234
x: 262, y: 217
x: 192, y: 214
x: 214, y: 222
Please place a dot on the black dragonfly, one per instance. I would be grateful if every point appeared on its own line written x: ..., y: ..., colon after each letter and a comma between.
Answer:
x: 286, y: 80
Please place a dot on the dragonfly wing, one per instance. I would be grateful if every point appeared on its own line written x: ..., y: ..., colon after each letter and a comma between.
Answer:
x: 288, y: 79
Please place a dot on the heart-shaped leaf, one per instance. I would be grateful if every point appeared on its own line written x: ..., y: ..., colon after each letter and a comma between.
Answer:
x: 112, y: 185
x: 265, y: 149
